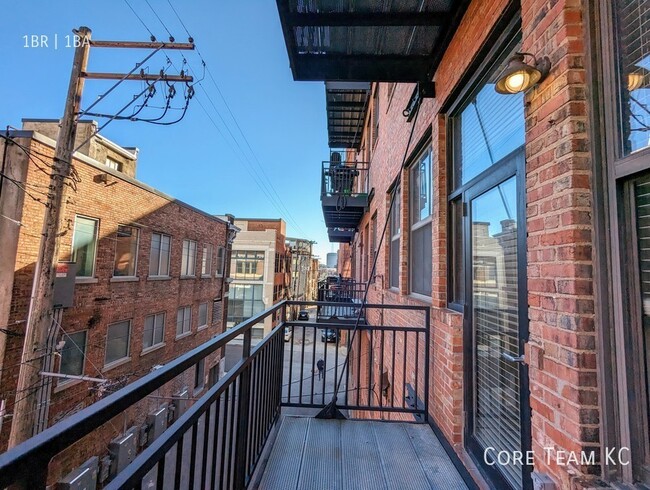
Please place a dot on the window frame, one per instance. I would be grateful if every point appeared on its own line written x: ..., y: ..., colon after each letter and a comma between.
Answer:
x: 127, y: 356
x: 160, y: 256
x: 188, y: 267
x: 137, y: 250
x: 423, y: 151
x: 95, y: 244
x: 395, y: 235
x: 206, y: 260
x: 186, y: 319
x: 221, y: 261
x: 66, y: 335
x: 154, y: 345
x: 207, y: 314
x: 199, y: 376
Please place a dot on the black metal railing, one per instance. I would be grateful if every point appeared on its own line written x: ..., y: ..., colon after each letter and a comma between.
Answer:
x: 346, y: 293
x: 344, y: 179
x: 218, y: 441
x: 386, y: 372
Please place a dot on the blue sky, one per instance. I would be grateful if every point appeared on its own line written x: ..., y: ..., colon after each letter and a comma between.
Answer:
x: 242, y: 43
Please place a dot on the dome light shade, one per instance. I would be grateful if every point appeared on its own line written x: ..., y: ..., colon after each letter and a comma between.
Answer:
x: 519, y: 76
x: 637, y: 79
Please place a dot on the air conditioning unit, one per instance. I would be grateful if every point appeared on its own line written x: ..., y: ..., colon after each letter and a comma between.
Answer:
x: 123, y: 450
x: 82, y: 478
x: 157, y: 423
x: 181, y: 402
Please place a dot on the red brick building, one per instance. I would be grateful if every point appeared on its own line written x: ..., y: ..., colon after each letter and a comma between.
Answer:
x: 150, y: 279
x: 520, y: 219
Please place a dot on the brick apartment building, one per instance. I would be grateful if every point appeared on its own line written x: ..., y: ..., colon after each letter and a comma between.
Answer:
x: 150, y: 279
x: 260, y: 271
x: 520, y: 219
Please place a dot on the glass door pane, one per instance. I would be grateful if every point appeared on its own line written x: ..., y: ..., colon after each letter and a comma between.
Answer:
x: 495, y: 312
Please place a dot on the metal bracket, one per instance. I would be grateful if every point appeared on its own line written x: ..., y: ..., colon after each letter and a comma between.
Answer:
x: 422, y: 90
x: 511, y: 358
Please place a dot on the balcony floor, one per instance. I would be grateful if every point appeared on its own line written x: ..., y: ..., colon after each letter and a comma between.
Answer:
x: 313, y: 454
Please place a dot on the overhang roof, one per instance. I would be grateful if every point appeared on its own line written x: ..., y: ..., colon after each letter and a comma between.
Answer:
x: 368, y: 40
x: 346, y: 105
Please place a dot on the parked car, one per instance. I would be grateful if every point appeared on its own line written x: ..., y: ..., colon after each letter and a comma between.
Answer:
x: 287, y: 334
x: 329, y: 335
x: 303, y: 315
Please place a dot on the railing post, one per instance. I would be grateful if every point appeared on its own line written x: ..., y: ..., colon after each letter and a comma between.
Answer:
x: 243, y: 403
x: 427, y: 339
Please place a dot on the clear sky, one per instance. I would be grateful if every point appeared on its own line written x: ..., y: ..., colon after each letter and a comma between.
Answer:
x: 213, y: 169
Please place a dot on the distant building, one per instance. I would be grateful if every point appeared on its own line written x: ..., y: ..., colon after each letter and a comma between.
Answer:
x: 147, y: 283
x: 300, y: 265
x: 332, y: 260
x: 260, y: 271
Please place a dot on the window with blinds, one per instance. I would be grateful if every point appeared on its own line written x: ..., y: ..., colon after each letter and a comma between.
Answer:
x: 395, y: 232
x: 633, y: 45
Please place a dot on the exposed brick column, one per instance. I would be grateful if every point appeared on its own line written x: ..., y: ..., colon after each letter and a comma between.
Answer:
x: 561, y: 348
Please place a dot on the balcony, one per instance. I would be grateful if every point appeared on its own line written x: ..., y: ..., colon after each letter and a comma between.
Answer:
x: 344, y: 196
x: 254, y: 427
x: 347, y: 294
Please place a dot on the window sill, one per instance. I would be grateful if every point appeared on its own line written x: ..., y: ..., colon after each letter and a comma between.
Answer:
x: 206, y: 276
x: 159, y: 278
x: 86, y: 280
x: 183, y: 335
x: 421, y: 298
x: 125, y: 279
x: 66, y: 384
x: 152, y: 349
x: 197, y: 390
x: 218, y: 276
x: 202, y: 327
x: 187, y: 277
x: 114, y: 364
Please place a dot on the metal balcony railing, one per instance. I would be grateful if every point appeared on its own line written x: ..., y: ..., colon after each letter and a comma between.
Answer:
x: 344, y: 179
x: 346, y: 293
x: 218, y: 441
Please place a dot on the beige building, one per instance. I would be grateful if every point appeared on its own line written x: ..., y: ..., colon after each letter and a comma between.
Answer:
x: 259, y: 271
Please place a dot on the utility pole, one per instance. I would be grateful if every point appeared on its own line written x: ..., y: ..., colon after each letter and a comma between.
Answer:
x: 40, y: 319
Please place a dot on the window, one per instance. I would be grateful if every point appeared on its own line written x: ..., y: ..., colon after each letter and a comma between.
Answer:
x: 84, y: 245
x: 375, y: 116
x: 203, y: 315
x: 183, y: 321
x: 247, y: 265
x: 73, y: 354
x: 199, y: 376
x: 395, y: 233
x: 420, y: 217
x: 221, y: 261
x: 154, y: 330
x: 126, y: 251
x: 245, y: 301
x: 188, y: 261
x: 114, y: 164
x: 160, y: 252
x: 373, y: 243
x: 217, y: 310
x: 633, y: 62
x: 118, y: 341
x: 206, y: 260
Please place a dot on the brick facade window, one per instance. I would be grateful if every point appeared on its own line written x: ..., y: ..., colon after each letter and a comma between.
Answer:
x: 248, y: 265
x: 420, y: 219
x: 118, y: 342
x: 154, y: 330
x: 395, y: 234
x: 73, y: 354
x: 199, y: 376
x: 160, y: 253
x: 188, y: 259
x: 126, y: 251
x: 84, y: 245
x: 203, y: 315
x: 221, y: 261
x: 206, y: 260
x: 183, y: 321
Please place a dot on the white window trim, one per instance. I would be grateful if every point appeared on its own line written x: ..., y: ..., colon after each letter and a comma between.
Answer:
x: 193, y: 272
x: 189, y: 332
x: 121, y: 360
x: 205, y: 325
x: 169, y: 256
x: 62, y: 382
x: 164, y: 325
x: 135, y: 265
x: 208, y: 262
x: 414, y: 226
x: 74, y: 231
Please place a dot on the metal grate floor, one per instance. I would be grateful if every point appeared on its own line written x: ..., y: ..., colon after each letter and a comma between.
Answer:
x: 314, y: 454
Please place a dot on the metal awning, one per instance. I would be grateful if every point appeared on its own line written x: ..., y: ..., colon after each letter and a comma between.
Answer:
x: 367, y: 40
x: 346, y: 105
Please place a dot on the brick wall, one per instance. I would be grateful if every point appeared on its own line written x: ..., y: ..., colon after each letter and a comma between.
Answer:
x: 561, y: 348
x: 103, y: 301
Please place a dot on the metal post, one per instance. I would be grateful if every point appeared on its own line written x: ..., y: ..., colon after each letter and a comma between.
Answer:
x: 242, y: 417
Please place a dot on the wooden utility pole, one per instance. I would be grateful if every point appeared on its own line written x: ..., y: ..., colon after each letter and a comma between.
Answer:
x: 40, y: 319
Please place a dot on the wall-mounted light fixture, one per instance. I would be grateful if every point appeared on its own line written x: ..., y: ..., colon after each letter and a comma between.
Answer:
x: 519, y: 76
x: 637, y: 79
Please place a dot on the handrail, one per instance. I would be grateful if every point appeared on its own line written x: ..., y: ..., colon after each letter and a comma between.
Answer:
x: 38, y: 450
